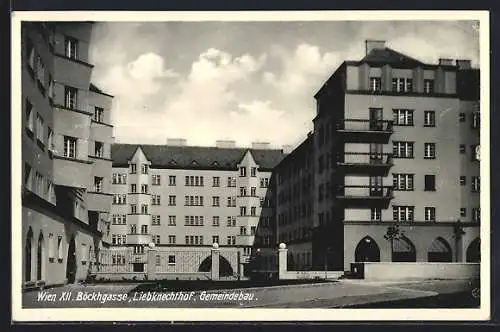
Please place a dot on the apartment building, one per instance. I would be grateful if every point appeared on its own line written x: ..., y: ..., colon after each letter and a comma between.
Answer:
x: 186, y: 198
x: 66, y: 154
x: 395, y: 142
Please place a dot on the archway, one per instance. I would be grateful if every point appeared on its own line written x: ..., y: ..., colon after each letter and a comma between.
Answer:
x: 40, y: 258
x: 473, y: 254
x: 225, y: 269
x: 367, y: 250
x: 28, y: 259
x: 404, y: 251
x: 71, y: 261
x: 439, y: 251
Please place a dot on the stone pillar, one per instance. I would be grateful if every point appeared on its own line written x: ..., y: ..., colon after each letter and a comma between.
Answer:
x: 215, y: 261
x: 282, y: 260
x: 151, y: 262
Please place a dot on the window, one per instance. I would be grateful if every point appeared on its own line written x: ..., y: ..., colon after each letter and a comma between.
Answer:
x: 98, y: 114
x: 461, y: 117
x: 156, y: 180
x: 243, y: 230
x: 60, y: 249
x: 402, y: 117
x: 463, y: 212
x: 429, y: 150
x: 375, y: 84
x: 172, y: 220
x: 133, y: 188
x: 215, y: 221
x: 253, y: 171
x: 243, y: 211
x: 430, y: 183
x: 402, y: 85
x: 144, y: 229
x: 70, y: 97
x: 461, y: 148
x: 402, y: 149
x: 171, y: 239
x: 231, y: 240
x: 215, y: 201
x: 243, y: 171
x: 243, y: 191
x: 215, y: 239
x: 155, y: 220
x: 253, y: 230
x: 39, y: 128
x: 133, y: 209
x: 376, y: 214
x: 403, y: 213
x: 39, y: 184
x: 98, y: 184
x: 429, y: 119
x: 475, y: 120
x: 476, y: 215
x: 40, y: 72
x: 71, y: 48
x: 29, y: 115
x: 156, y: 239
x: 51, y: 246
x: 463, y: 180
x: 144, y: 188
x: 171, y: 200
x: 253, y: 192
x: 430, y: 213
x: 403, y: 182
x: 171, y: 259
x: 253, y: 211
x: 474, y: 153
x: 155, y: 200
x: 231, y: 221
x: 231, y: 182
x: 476, y: 184
x: 69, y: 147
x: 216, y: 181
x: 144, y: 209
x: 99, y: 150
x: 428, y: 86
x: 144, y: 168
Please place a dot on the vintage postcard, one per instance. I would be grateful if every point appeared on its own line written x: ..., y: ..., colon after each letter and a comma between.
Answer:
x: 250, y: 166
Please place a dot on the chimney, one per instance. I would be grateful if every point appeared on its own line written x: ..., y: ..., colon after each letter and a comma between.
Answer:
x: 287, y: 149
x: 176, y: 141
x: 446, y: 62
x: 464, y: 64
x: 225, y: 144
x: 260, y: 145
x: 374, y: 44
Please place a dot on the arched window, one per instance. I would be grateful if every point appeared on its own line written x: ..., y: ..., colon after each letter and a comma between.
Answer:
x: 367, y: 250
x: 439, y: 251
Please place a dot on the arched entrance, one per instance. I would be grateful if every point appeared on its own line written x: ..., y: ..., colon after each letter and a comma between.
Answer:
x: 439, y: 251
x: 40, y: 258
x: 473, y: 254
x: 225, y: 269
x: 71, y: 261
x: 367, y: 250
x: 28, y: 260
x: 404, y: 250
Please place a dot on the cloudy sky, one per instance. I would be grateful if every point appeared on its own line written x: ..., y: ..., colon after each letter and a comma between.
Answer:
x: 244, y: 81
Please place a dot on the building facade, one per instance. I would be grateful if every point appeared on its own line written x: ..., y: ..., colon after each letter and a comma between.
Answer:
x: 396, y: 173
x: 183, y: 199
x: 66, y: 144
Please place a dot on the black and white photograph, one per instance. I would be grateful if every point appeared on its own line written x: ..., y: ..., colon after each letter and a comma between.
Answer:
x: 168, y: 165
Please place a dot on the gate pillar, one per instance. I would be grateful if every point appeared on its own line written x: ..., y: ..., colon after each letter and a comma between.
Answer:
x: 215, y: 261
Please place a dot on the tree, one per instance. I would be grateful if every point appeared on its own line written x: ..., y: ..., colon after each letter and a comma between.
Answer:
x: 393, y: 233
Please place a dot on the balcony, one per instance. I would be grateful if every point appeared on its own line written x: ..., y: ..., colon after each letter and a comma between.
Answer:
x: 138, y: 238
x: 365, y: 131
x: 364, y: 196
x: 98, y: 201
x: 71, y: 172
x: 245, y: 240
x: 376, y: 164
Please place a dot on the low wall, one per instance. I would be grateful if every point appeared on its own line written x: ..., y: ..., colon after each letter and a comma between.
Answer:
x: 183, y: 276
x: 157, y: 276
x: 120, y: 276
x: 288, y: 275
x: 402, y: 271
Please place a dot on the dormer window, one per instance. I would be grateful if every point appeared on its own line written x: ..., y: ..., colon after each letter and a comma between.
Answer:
x: 402, y: 85
x: 375, y: 84
x: 428, y: 86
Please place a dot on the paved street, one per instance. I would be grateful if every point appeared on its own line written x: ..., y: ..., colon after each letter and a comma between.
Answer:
x: 344, y: 293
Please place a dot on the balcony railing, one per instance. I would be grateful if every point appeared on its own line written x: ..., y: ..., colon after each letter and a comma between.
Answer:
x: 365, y: 163
x: 360, y: 196
x: 358, y: 130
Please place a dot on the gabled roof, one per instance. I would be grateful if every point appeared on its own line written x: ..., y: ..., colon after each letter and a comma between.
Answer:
x: 167, y: 156
x: 387, y: 55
